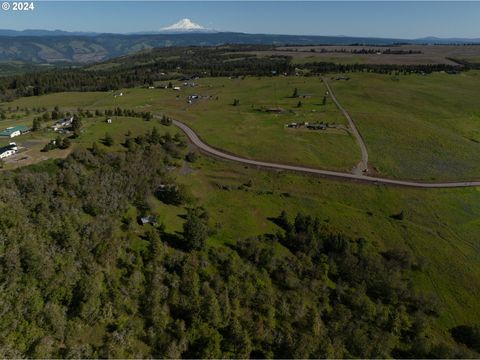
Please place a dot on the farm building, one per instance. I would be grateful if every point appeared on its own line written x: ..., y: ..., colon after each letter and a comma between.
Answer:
x: 14, y: 131
x: 192, y: 98
x: 149, y: 219
x: 276, y: 110
x: 62, y: 124
x: 316, y: 126
x: 8, y: 150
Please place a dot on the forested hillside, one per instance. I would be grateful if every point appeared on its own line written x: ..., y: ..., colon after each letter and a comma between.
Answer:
x: 80, y: 277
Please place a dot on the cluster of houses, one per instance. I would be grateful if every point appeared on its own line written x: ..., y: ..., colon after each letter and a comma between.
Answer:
x: 313, y: 126
x: 9, y: 150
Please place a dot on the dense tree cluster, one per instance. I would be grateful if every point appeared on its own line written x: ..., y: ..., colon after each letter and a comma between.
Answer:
x: 81, y: 278
x: 369, y: 50
x: 330, y: 67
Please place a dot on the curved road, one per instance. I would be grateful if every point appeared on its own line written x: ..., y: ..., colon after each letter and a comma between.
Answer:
x: 363, y: 165
x: 337, y: 174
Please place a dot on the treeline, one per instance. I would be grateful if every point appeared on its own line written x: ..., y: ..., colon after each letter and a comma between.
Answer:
x: 81, y: 278
x: 317, y: 68
x: 365, y: 51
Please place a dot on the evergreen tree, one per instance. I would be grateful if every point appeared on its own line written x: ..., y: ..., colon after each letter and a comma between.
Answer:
x: 195, y: 230
x: 37, y: 124
x: 76, y: 125
x: 108, y: 139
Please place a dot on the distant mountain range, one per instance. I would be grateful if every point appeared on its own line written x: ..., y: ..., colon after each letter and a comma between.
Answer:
x: 39, y: 32
x: 57, y: 46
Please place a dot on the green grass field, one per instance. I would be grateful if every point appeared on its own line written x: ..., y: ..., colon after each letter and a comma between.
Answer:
x: 246, y: 129
x: 441, y: 226
x: 417, y: 127
x: 333, y: 59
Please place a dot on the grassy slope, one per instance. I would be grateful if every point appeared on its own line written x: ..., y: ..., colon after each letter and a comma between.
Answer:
x: 440, y: 225
x: 420, y: 127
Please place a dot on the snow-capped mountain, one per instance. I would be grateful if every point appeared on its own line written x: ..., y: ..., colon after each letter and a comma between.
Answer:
x: 185, y: 25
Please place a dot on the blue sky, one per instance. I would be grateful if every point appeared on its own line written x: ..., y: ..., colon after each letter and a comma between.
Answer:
x: 407, y: 19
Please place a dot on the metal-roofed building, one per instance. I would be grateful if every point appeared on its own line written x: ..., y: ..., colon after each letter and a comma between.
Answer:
x: 14, y: 131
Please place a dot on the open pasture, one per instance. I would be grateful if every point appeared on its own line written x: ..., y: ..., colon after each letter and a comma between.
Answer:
x: 417, y: 127
x: 254, y: 128
x: 421, y: 127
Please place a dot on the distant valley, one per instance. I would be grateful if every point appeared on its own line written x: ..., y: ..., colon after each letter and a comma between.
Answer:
x: 42, y: 46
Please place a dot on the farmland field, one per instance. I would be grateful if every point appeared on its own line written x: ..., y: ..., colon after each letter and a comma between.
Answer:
x: 247, y: 129
x: 417, y: 127
x: 422, y: 127
x: 421, y: 54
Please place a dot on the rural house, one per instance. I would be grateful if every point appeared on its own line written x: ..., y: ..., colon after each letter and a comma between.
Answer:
x: 8, y: 150
x: 149, y: 219
x: 63, y: 123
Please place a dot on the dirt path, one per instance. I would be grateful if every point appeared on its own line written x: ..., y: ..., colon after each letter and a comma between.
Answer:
x: 362, y: 166
x: 335, y: 174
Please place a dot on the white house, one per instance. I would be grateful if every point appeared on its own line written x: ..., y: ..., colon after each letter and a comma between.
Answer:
x: 8, y: 150
x: 63, y: 123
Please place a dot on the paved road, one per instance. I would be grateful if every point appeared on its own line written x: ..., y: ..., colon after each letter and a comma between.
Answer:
x: 336, y: 174
x: 362, y: 165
